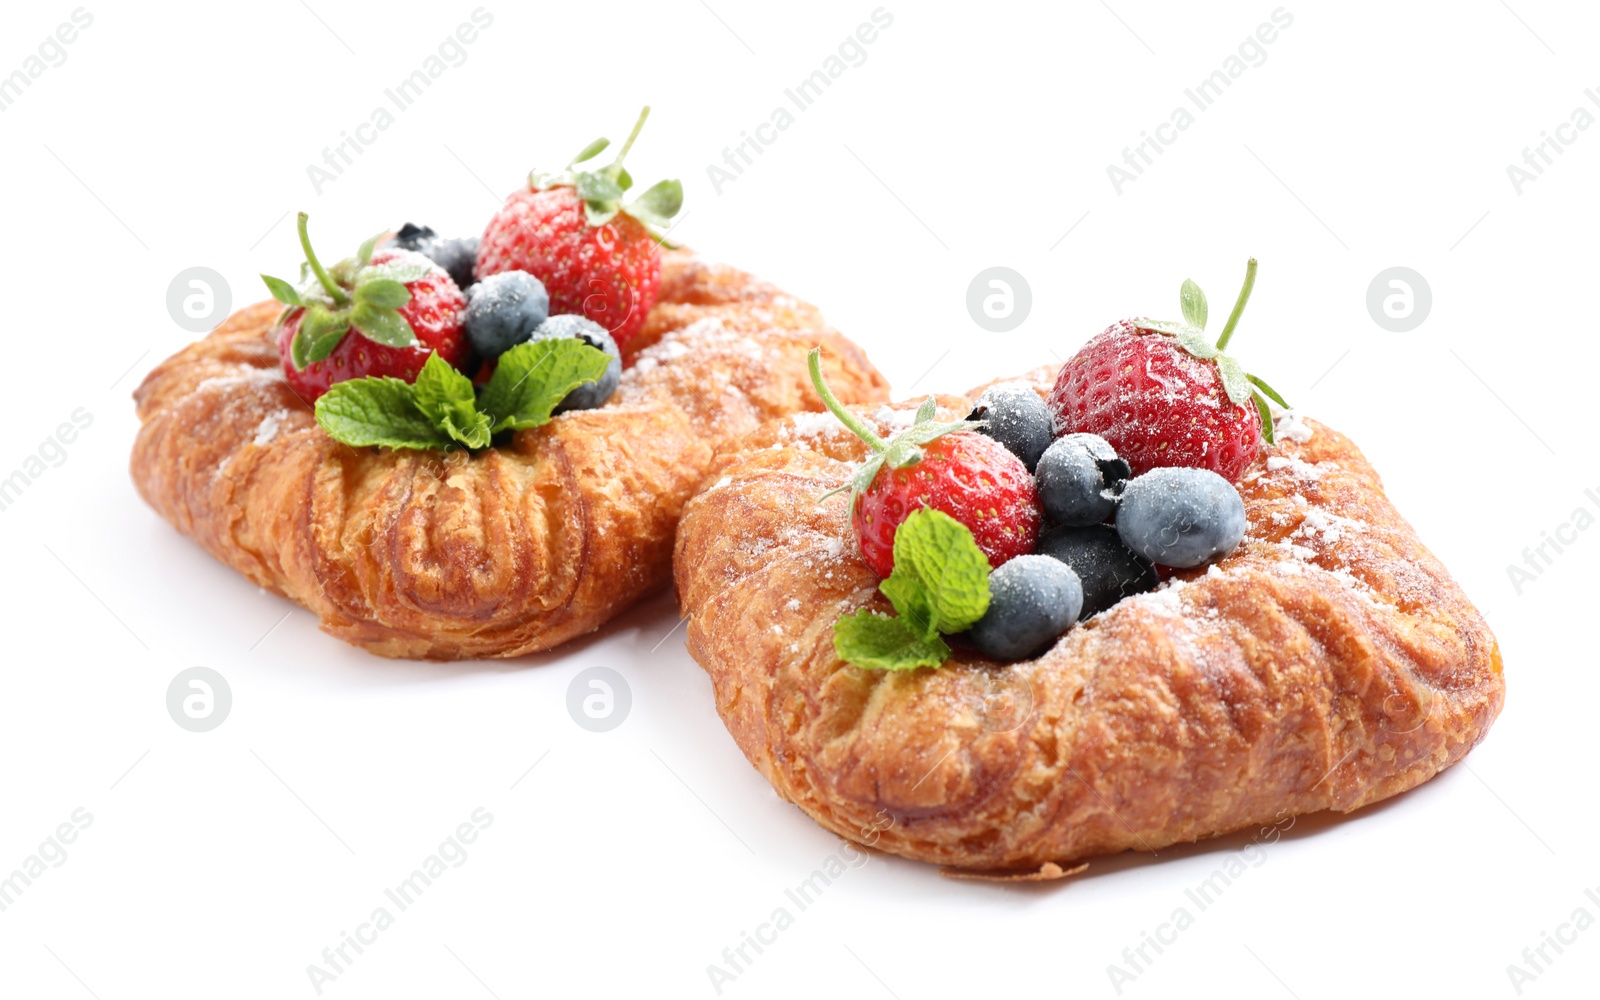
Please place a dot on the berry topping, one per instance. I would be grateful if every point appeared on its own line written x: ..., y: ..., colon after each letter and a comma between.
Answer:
x: 942, y: 466
x: 1164, y: 395
x: 1032, y: 600
x: 456, y: 256
x: 590, y: 394
x: 1015, y: 415
x: 1080, y: 478
x: 503, y: 310
x: 1181, y: 517
x: 378, y: 313
x: 571, y: 230
x: 1107, y: 569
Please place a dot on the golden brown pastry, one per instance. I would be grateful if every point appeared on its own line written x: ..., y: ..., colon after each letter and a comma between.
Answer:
x: 507, y: 551
x: 1329, y: 662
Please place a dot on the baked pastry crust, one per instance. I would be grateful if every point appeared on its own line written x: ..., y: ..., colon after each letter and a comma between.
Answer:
x: 513, y: 549
x: 1327, y: 663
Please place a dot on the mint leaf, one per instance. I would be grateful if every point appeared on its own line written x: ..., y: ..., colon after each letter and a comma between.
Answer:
x: 910, y: 599
x: 1193, y: 302
x: 385, y: 293
x: 879, y: 642
x: 954, y: 573
x: 383, y: 326
x: 377, y: 411
x: 532, y: 379
x: 282, y: 290
x: 445, y: 396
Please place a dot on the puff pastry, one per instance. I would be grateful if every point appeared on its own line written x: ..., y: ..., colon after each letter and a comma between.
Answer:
x: 1327, y: 663
x: 507, y: 551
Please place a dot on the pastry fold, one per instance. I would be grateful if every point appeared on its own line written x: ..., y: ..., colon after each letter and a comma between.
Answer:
x: 507, y: 551
x: 1327, y: 663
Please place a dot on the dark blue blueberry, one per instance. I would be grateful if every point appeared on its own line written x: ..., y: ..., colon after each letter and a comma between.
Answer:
x: 412, y: 237
x: 1032, y: 600
x: 1181, y: 517
x: 458, y: 256
x: 590, y: 394
x: 503, y: 310
x: 1017, y: 417
x: 1080, y: 477
x: 1107, y: 569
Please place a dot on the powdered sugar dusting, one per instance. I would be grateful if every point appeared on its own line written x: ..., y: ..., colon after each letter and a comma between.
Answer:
x: 268, y: 428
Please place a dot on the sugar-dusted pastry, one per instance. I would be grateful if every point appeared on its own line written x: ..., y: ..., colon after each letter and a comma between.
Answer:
x: 452, y: 449
x: 1210, y: 619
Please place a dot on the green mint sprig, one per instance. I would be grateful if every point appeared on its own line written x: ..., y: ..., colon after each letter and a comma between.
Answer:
x: 353, y: 292
x: 603, y: 190
x: 1240, y: 386
x: 442, y: 411
x: 940, y: 585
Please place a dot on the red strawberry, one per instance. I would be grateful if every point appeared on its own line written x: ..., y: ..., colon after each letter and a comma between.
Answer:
x: 571, y: 231
x: 1164, y: 395
x: 973, y: 478
x: 377, y: 313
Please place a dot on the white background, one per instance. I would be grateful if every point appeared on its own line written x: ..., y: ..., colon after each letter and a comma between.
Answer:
x: 222, y: 864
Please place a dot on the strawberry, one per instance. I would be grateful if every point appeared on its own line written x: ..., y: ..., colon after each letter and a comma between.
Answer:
x: 944, y: 466
x: 570, y: 230
x: 1164, y: 395
x: 377, y: 313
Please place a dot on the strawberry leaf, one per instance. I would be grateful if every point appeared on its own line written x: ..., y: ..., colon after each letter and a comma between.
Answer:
x: 590, y: 151
x: 364, y: 253
x: 382, y: 326
x: 1269, y: 391
x: 659, y: 203
x: 385, y: 293
x: 402, y: 271
x: 321, y: 330
x: 1193, y: 302
x: 927, y: 411
x: 1234, y: 382
x: 598, y: 187
x: 1269, y: 432
x: 282, y: 291
x: 1194, y: 341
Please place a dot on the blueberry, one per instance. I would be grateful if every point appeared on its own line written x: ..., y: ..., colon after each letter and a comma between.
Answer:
x: 1181, y: 517
x: 503, y: 310
x: 412, y: 237
x: 1032, y: 600
x: 590, y: 394
x: 457, y: 256
x: 1080, y: 478
x: 1017, y: 418
x: 1107, y: 569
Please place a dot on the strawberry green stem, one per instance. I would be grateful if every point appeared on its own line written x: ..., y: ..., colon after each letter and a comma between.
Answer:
x: 850, y: 420
x: 1238, y: 307
x: 328, y: 284
x: 616, y: 165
